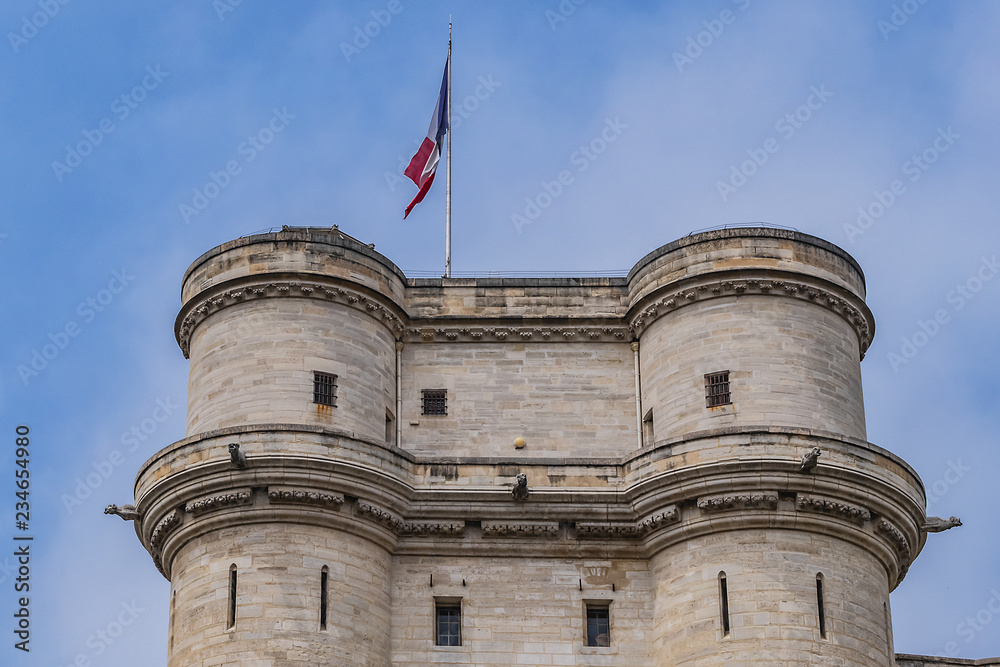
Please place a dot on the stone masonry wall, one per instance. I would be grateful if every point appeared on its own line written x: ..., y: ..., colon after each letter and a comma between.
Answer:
x: 771, y: 580
x: 278, y: 599
x: 253, y: 363
x: 791, y: 363
x: 521, y: 611
x: 564, y: 399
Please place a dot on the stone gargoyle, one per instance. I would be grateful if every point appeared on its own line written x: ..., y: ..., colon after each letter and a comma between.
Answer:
x: 520, y: 488
x: 237, y: 458
x: 935, y: 524
x: 810, y: 460
x: 126, y: 512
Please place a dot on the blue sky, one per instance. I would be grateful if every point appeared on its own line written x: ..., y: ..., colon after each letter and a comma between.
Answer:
x: 841, y: 108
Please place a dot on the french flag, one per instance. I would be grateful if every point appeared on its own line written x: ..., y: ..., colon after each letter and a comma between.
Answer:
x: 423, y: 165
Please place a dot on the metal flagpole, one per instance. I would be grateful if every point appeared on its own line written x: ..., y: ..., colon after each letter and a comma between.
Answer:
x: 447, y: 191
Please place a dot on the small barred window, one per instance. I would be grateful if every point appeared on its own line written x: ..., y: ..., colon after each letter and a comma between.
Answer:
x: 434, y: 401
x: 598, y: 624
x: 324, y: 388
x: 717, y: 389
x: 448, y: 622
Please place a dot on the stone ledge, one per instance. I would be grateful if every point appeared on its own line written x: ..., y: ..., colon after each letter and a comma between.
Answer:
x: 907, y: 660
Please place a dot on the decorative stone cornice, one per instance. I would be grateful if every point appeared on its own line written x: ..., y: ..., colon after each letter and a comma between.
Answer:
x: 388, y: 519
x: 589, y: 529
x: 218, y: 501
x: 710, y: 289
x: 418, y: 528
x: 197, y: 311
x: 748, y: 500
x: 284, y: 494
x: 899, y: 541
x: 895, y: 536
x: 828, y: 506
x: 399, y: 526
x: 509, y: 529
x: 163, y: 527
x: 539, y: 334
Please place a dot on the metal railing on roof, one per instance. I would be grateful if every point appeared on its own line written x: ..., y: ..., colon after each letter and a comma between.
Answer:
x: 738, y: 225
x: 518, y: 274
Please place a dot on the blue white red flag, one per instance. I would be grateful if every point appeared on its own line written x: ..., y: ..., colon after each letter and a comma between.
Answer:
x: 423, y: 165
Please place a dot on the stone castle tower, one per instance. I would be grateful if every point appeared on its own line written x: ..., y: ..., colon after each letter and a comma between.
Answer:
x: 669, y: 468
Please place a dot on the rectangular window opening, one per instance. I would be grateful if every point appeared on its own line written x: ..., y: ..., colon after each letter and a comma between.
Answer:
x: 890, y: 649
x: 324, y: 577
x: 173, y: 612
x: 819, y: 604
x: 324, y: 388
x: 448, y: 623
x: 231, y: 616
x: 434, y: 401
x: 390, y: 429
x: 647, y: 428
x: 724, y: 600
x: 598, y: 624
x: 717, y: 389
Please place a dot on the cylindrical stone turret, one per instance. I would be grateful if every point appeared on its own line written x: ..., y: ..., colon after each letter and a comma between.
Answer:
x: 782, y: 312
x: 667, y: 469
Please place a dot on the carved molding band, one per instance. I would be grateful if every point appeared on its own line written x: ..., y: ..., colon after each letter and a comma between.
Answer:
x: 418, y: 528
x: 757, y: 499
x: 208, y: 503
x: 391, y: 521
x: 736, y: 287
x: 827, y: 506
x: 900, y: 542
x: 304, y: 496
x: 165, y: 525
x: 585, y: 529
x: 301, y: 289
x: 505, y: 529
x: 399, y: 526
x: 895, y: 536
x: 563, y: 334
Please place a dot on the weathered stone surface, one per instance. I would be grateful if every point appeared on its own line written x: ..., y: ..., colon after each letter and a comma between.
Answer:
x: 642, y: 522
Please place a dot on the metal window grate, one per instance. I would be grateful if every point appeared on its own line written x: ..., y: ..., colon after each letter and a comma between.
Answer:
x: 449, y: 625
x: 324, y: 388
x: 598, y: 625
x: 434, y: 401
x: 717, y: 389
